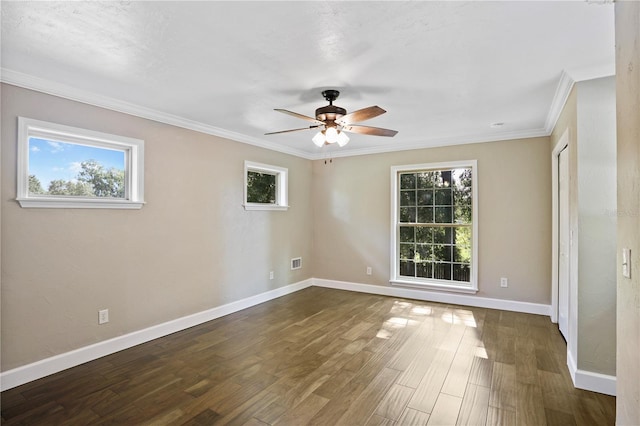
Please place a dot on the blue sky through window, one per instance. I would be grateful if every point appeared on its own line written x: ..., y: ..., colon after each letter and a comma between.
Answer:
x: 50, y: 160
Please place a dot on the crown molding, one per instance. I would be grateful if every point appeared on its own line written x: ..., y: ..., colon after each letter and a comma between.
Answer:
x: 432, y: 143
x: 28, y: 81
x: 563, y: 90
x: 567, y: 79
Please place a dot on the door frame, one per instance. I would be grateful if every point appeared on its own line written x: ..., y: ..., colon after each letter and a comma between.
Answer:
x: 560, y: 146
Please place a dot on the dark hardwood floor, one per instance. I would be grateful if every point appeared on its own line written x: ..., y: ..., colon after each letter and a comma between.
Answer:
x: 327, y: 357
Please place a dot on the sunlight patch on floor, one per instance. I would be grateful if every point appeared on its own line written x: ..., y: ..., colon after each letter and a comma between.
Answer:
x: 460, y: 316
x: 481, y: 352
x: 421, y: 310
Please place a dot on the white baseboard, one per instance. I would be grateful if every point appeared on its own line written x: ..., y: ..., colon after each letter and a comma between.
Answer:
x: 588, y: 380
x: 9, y: 379
x: 27, y: 373
x: 436, y: 296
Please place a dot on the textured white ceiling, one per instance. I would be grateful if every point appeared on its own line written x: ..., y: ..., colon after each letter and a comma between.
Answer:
x: 444, y: 71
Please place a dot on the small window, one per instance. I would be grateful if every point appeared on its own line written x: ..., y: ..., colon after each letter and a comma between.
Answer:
x: 265, y: 187
x: 434, y: 230
x: 67, y: 167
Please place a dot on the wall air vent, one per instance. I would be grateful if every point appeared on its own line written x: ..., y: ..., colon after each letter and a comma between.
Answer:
x: 296, y: 263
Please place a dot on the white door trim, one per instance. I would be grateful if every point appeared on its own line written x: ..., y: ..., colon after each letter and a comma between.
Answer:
x: 560, y: 146
x: 564, y: 244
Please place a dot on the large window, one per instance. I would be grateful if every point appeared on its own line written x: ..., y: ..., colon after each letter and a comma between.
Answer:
x: 265, y: 187
x: 434, y: 225
x: 67, y: 167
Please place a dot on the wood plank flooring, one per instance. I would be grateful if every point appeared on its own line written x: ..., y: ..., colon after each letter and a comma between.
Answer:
x: 327, y: 357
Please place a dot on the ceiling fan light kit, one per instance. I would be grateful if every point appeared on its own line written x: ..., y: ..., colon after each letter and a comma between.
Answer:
x: 342, y: 139
x: 334, y: 122
x: 319, y: 139
x: 329, y: 136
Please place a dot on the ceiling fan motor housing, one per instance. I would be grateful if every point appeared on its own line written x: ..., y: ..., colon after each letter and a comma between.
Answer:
x: 330, y: 113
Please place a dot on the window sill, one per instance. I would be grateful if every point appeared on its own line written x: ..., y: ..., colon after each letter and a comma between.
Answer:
x: 63, y: 203
x: 434, y: 285
x: 265, y: 207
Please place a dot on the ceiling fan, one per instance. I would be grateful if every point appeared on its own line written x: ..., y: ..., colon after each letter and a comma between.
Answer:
x: 332, y: 121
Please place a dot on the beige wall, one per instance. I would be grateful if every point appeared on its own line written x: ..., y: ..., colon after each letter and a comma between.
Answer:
x: 193, y: 247
x: 351, y: 198
x: 628, y: 119
x: 596, y: 152
x: 568, y: 124
x: 190, y: 248
x: 589, y: 117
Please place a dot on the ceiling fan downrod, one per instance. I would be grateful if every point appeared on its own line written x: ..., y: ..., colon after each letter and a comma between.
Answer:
x: 330, y: 95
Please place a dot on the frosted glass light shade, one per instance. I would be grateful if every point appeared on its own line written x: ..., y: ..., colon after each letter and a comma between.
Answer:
x: 331, y: 134
x: 343, y: 139
x: 318, y: 139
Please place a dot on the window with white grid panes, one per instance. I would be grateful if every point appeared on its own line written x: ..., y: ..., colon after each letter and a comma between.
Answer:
x: 434, y: 226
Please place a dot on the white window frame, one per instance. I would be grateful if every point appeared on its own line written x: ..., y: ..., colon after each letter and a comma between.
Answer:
x: 429, y: 283
x: 282, y: 186
x: 134, y: 165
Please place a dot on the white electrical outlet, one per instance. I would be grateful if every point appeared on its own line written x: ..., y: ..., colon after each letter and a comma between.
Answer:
x: 271, y: 275
x: 504, y: 282
x: 369, y: 270
x: 103, y: 316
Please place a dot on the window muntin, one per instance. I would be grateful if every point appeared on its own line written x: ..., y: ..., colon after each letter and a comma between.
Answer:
x: 66, y: 167
x: 265, y: 187
x: 434, y: 225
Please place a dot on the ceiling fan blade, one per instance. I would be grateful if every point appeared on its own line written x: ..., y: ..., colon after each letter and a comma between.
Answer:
x: 367, y: 130
x: 295, y: 114
x: 292, y: 130
x: 361, y: 115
